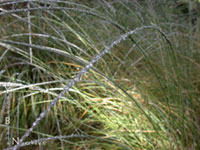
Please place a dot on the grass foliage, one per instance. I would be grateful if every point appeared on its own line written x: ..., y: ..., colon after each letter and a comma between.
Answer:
x: 99, y: 75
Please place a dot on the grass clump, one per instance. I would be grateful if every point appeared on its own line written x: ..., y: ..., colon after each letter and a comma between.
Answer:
x: 117, y: 75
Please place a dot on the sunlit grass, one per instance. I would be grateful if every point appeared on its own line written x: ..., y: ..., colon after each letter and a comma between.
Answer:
x: 143, y: 94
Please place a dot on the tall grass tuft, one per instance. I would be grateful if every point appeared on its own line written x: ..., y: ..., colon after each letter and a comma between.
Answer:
x: 99, y: 75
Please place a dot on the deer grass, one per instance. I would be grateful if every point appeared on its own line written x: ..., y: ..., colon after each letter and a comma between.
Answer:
x: 98, y: 75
